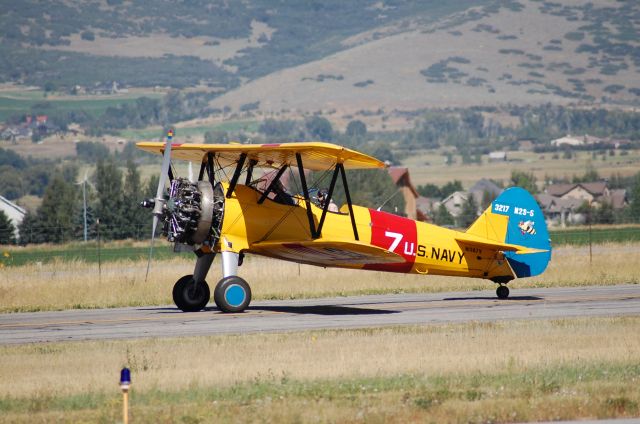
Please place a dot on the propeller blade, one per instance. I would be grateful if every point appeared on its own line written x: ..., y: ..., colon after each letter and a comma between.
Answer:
x: 153, y: 237
x: 159, y: 200
x: 164, y: 170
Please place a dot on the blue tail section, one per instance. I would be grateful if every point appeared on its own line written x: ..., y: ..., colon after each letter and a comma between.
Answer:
x: 526, y: 227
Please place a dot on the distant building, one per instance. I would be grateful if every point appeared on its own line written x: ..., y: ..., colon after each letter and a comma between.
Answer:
x: 400, y: 177
x: 454, y: 202
x: 482, y: 189
x: 14, y: 212
x: 425, y: 206
x: 498, y: 157
x: 560, y: 202
x: 570, y: 140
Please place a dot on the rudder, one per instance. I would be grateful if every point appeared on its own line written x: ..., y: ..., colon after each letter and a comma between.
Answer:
x: 514, y: 217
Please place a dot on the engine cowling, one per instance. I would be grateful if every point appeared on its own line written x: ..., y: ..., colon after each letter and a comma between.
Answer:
x: 193, y: 212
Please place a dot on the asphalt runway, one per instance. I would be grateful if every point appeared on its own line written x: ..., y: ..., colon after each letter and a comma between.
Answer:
x: 327, y: 313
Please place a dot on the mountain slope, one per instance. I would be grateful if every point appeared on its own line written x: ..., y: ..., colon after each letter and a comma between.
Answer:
x: 529, y: 52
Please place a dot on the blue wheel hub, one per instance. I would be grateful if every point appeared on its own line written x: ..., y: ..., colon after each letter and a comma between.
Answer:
x: 235, y: 295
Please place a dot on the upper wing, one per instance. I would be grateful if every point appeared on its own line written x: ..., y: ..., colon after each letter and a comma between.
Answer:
x: 316, y: 156
x: 327, y: 253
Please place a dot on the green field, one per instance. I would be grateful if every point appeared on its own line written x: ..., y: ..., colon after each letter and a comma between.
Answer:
x: 22, y: 102
x: 199, y: 131
x: 583, y: 235
x: 85, y: 253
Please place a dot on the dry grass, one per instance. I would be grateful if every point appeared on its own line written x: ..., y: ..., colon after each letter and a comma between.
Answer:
x: 66, y: 285
x: 449, y: 373
x: 429, y: 167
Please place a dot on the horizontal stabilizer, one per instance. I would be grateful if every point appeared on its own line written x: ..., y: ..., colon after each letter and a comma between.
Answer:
x: 493, y: 245
x: 325, y: 253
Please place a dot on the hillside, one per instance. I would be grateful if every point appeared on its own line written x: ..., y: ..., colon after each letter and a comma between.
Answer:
x: 348, y: 56
x: 525, y: 53
x: 211, y: 44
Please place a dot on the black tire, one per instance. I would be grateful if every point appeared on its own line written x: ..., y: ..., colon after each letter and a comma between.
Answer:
x: 232, y: 294
x: 502, y: 292
x: 186, y: 298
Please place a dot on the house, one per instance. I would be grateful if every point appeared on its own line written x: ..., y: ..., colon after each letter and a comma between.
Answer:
x: 567, y: 140
x: 16, y: 133
x: 559, y: 211
x: 587, y: 192
x: 454, y: 202
x: 400, y: 177
x: 570, y: 140
x: 425, y: 206
x: 560, y: 202
x: 14, y: 212
x: 497, y: 156
x: 483, y: 192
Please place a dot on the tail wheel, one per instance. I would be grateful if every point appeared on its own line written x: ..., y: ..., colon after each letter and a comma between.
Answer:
x: 502, y: 292
x: 232, y: 294
x: 189, y: 297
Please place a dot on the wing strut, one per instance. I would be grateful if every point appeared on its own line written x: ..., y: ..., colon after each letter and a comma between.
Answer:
x: 236, y: 175
x: 273, y: 183
x: 346, y: 193
x: 252, y: 164
x: 203, y: 167
x: 210, y: 168
x: 334, y: 178
x: 307, y: 200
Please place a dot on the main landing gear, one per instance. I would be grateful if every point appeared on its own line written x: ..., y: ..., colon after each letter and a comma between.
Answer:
x: 232, y: 293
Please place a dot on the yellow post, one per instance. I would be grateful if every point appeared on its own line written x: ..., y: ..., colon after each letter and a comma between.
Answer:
x: 125, y: 406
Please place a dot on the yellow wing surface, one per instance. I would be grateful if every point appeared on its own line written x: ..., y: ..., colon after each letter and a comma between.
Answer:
x: 329, y: 253
x: 316, y: 156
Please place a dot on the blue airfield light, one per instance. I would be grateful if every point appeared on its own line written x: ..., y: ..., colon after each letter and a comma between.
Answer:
x: 125, y: 378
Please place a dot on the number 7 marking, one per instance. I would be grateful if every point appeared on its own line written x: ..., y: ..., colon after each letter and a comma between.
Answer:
x: 397, y: 238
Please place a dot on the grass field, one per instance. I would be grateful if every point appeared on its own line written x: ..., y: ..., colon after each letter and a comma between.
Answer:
x: 76, y: 284
x: 472, y: 372
x: 429, y: 166
x: 21, y: 102
x: 596, y: 235
x: 139, y: 250
x: 246, y: 126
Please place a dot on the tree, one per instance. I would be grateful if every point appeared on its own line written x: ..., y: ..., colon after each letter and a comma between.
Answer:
x: 605, y: 214
x: 320, y: 128
x: 469, y: 212
x: 274, y: 129
x: 442, y: 216
x: 450, y: 187
x: 7, y: 230
x: 110, y: 203
x: 356, y: 129
x: 487, y: 198
x: 56, y: 220
x: 525, y: 180
x: 634, y: 204
x: 371, y: 188
x: 137, y: 217
x: 429, y: 190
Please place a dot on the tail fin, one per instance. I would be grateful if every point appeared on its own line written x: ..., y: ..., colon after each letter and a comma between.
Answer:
x: 515, y: 218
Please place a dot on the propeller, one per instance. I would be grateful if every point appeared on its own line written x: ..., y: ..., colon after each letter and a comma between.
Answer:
x: 159, y: 201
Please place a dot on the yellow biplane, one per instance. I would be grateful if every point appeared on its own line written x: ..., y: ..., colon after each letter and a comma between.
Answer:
x: 247, y: 211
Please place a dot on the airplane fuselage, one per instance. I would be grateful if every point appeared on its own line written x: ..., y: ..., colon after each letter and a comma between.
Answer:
x: 425, y: 248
